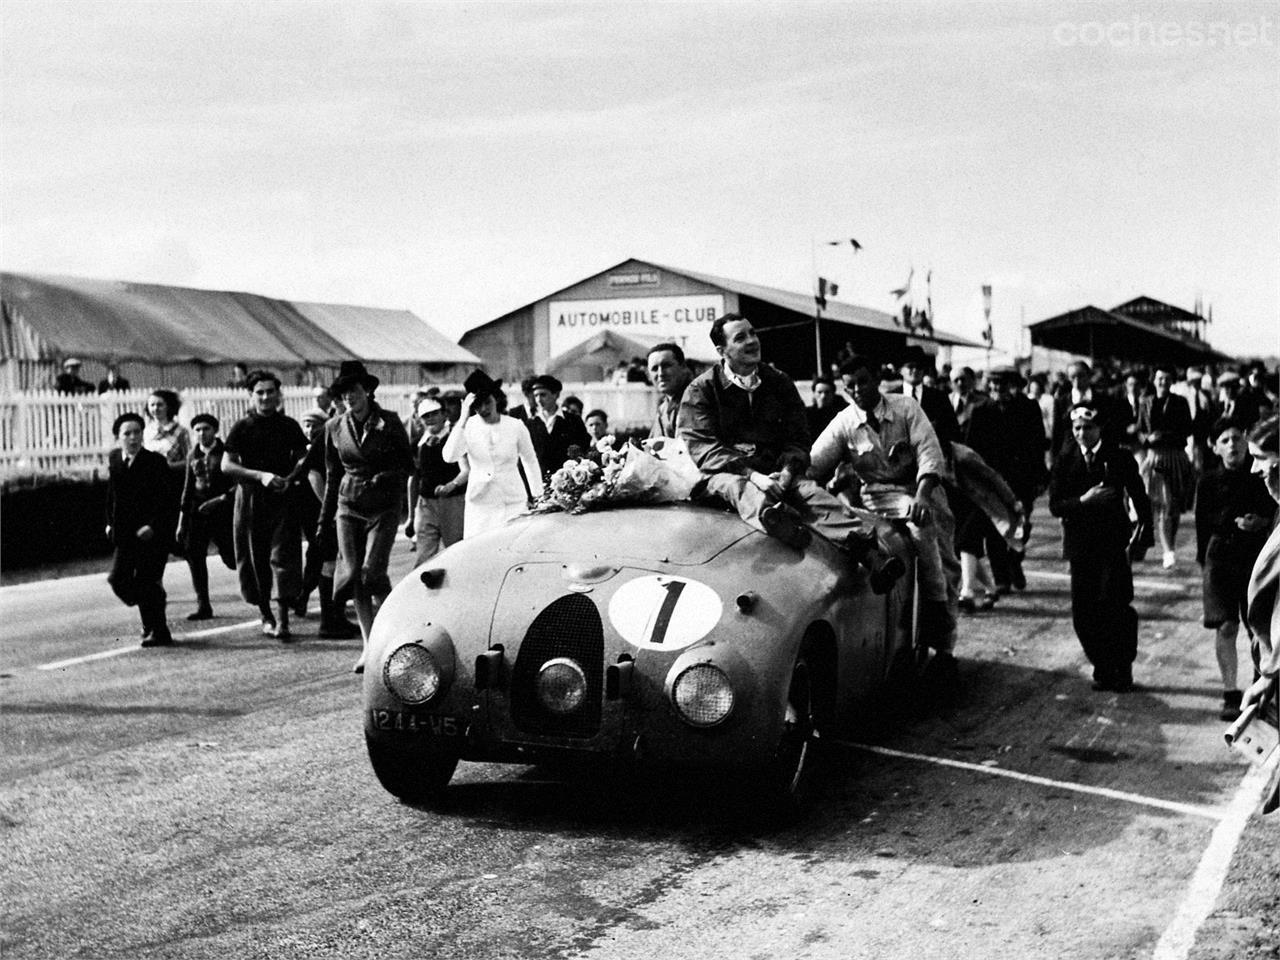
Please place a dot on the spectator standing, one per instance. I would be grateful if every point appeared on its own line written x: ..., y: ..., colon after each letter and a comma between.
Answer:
x: 964, y: 397
x: 1234, y: 402
x: 495, y: 447
x: 436, y: 487
x: 555, y: 434
x: 68, y: 381
x: 140, y: 527
x: 239, y: 377
x: 204, y: 516
x: 1129, y: 411
x: 261, y: 453
x: 1164, y: 426
x: 1264, y: 597
x: 826, y: 404
x: 572, y: 406
x: 1080, y: 389
x: 169, y: 438
x: 525, y: 410
x: 307, y: 491
x: 367, y: 464
x: 113, y: 381
x: 1204, y: 415
x: 671, y: 376
x: 1233, y: 512
x: 597, y: 422
x: 1087, y: 486
x: 915, y: 368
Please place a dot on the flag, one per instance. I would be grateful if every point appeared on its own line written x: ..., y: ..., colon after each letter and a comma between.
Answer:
x: 903, y: 290
x: 839, y: 243
x: 987, y: 335
x: 825, y: 287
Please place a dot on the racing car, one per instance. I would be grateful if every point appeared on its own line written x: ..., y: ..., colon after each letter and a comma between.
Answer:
x: 670, y: 634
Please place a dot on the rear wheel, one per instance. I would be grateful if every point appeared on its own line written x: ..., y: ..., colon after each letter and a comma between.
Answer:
x: 417, y: 775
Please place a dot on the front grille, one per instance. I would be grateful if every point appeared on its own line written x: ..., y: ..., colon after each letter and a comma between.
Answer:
x: 568, y: 627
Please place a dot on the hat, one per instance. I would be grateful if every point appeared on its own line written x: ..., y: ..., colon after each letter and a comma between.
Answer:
x: 1083, y: 411
x: 208, y: 418
x: 315, y: 413
x: 481, y: 384
x: 915, y: 356
x: 1229, y: 376
x: 453, y: 393
x: 1005, y: 371
x: 547, y: 382
x: 427, y: 405
x: 352, y: 372
x: 71, y: 362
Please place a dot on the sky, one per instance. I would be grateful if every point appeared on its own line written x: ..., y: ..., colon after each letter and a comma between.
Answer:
x: 463, y: 159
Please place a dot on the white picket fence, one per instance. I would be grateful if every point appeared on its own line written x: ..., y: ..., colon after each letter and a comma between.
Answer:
x: 43, y: 433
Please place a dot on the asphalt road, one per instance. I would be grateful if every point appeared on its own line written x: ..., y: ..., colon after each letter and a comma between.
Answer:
x: 214, y: 799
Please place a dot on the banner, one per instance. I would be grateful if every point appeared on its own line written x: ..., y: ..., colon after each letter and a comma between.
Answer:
x: 678, y: 319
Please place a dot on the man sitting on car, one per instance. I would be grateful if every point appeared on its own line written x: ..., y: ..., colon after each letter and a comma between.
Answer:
x: 744, y: 424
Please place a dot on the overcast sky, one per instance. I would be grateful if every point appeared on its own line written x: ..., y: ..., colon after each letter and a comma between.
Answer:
x: 463, y: 159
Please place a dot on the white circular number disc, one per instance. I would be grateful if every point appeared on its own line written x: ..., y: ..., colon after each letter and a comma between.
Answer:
x: 664, y: 613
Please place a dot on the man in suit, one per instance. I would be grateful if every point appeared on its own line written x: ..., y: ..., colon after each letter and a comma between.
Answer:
x: 140, y: 526
x: 942, y: 415
x: 670, y: 374
x: 554, y: 432
x: 1087, y: 489
x: 1204, y: 413
x: 965, y: 397
x: 1082, y: 390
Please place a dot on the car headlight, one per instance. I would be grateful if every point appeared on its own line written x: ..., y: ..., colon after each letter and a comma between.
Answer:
x: 561, y: 686
x: 703, y: 695
x: 412, y: 674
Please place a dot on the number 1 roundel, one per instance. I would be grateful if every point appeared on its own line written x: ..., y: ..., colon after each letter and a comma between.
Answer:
x: 664, y: 612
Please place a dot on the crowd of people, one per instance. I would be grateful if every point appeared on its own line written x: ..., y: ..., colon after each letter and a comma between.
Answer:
x: 961, y: 458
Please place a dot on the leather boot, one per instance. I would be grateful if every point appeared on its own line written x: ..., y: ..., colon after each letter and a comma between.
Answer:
x: 333, y: 625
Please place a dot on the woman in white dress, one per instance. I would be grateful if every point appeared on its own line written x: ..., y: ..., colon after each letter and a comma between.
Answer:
x: 494, y: 445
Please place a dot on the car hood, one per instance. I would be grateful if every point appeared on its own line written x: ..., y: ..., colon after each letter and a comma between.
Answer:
x: 679, y: 534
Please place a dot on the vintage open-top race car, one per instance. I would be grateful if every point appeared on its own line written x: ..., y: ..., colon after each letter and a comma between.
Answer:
x: 672, y: 634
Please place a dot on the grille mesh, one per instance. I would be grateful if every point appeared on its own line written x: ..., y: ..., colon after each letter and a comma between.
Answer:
x: 568, y: 627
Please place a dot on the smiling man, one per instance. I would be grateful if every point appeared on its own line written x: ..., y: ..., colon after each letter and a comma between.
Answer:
x: 670, y: 374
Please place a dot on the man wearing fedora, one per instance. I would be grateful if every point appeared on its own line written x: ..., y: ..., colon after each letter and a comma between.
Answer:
x: 1087, y: 488
x: 554, y: 432
x: 942, y: 416
x: 261, y: 453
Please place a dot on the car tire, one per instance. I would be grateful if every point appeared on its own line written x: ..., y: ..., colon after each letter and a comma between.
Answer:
x: 418, y: 775
x: 790, y: 777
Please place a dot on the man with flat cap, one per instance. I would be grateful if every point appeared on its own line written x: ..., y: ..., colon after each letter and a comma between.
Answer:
x: 1087, y: 488
x: 554, y: 432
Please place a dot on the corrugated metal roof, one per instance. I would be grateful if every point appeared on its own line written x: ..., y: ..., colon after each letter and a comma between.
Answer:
x: 372, y: 333
x: 162, y: 324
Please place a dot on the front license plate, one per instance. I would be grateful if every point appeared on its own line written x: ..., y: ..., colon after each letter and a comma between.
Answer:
x: 431, y: 725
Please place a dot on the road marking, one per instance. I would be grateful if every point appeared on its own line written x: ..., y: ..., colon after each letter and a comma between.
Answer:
x: 1156, y: 586
x: 1206, y: 883
x: 105, y: 654
x: 1189, y: 809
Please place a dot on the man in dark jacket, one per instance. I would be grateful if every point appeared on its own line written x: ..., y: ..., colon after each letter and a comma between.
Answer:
x: 1110, y: 417
x: 553, y: 431
x: 204, y: 514
x: 670, y: 374
x: 1089, y: 482
x: 942, y: 416
x: 744, y: 424
x: 140, y: 527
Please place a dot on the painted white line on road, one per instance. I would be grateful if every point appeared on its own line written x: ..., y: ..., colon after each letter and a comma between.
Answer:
x: 1189, y: 809
x: 1206, y: 883
x: 1156, y: 586
x: 105, y: 654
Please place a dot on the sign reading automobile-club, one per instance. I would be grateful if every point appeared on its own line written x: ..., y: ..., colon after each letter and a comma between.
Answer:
x: 679, y: 319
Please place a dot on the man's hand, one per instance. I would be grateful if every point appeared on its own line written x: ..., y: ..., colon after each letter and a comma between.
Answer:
x: 767, y: 485
x: 1256, y: 691
x: 273, y: 482
x: 921, y: 515
x: 786, y: 479
x: 145, y: 533
x: 1251, y: 522
x: 1100, y: 494
x: 444, y: 489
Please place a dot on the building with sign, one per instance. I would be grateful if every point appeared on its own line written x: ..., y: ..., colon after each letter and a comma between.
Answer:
x: 588, y: 327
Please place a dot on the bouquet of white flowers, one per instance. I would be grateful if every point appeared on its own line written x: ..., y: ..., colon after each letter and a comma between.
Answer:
x: 607, y: 476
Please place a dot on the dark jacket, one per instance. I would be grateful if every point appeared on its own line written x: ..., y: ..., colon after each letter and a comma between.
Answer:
x: 365, y: 470
x: 137, y: 497
x: 1164, y: 422
x: 204, y: 479
x: 1097, y: 529
x: 729, y: 430
x: 1221, y: 496
x: 1110, y: 411
x: 1009, y: 435
x: 553, y: 447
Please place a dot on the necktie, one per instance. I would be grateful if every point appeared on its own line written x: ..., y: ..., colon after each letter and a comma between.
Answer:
x: 1089, y: 457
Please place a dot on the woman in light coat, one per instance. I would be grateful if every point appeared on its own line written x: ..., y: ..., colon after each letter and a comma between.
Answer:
x: 495, y: 446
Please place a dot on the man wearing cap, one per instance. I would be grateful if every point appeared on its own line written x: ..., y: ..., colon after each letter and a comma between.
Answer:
x: 68, y: 381
x: 436, y: 487
x: 1080, y: 376
x: 205, y: 513
x: 1234, y: 402
x: 670, y: 374
x: 262, y: 451
x: 1087, y: 489
x: 553, y: 431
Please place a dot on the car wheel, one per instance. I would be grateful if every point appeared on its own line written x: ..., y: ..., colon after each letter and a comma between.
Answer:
x: 790, y: 780
x: 417, y: 775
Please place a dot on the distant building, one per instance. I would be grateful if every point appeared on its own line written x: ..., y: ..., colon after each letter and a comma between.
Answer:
x: 181, y: 337
x: 587, y: 327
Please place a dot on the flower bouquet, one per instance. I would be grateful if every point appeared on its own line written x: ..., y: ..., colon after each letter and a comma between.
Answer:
x: 606, y: 476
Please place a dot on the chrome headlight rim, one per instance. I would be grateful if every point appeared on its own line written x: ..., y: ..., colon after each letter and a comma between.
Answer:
x: 579, y: 677
x: 393, y: 662
x: 723, y: 682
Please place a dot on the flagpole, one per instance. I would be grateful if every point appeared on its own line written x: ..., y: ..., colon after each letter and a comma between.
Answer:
x: 817, y: 312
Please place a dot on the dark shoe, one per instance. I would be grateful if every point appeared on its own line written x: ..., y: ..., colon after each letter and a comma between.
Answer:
x: 1016, y: 575
x: 338, y: 630
x: 988, y: 602
x: 160, y: 638
x: 1124, y: 683
x: 942, y: 674
x: 1002, y: 590
x: 283, y: 633
x: 1102, y: 685
x: 299, y: 606
x: 202, y: 613
x: 783, y: 523
x: 966, y: 605
x: 1230, y: 706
